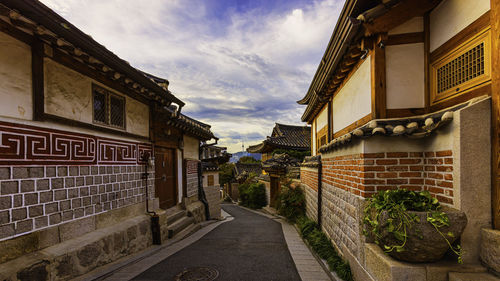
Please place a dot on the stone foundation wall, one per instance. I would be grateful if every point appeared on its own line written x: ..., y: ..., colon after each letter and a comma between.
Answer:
x: 311, y: 202
x: 213, y: 195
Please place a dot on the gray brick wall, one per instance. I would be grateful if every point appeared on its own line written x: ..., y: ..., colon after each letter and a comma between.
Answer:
x: 32, y: 198
x: 311, y: 202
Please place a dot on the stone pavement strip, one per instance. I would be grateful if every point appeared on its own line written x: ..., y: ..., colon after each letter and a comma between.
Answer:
x: 236, y: 260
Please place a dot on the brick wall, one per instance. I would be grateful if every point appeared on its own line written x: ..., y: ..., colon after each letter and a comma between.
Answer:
x: 309, y: 177
x: 366, y: 173
x: 36, y: 197
x: 191, y: 178
x: 311, y: 196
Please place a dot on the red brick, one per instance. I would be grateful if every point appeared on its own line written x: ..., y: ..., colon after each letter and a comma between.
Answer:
x: 387, y: 162
x: 397, y: 181
x: 397, y: 168
x: 416, y: 154
x: 445, y: 184
x: 429, y: 154
x: 416, y: 181
x: 429, y: 168
x: 436, y: 190
x: 448, y: 177
x: 411, y: 187
x: 367, y: 194
x: 357, y: 192
x: 444, y: 153
x: 444, y: 199
x: 434, y: 161
x: 367, y: 188
x: 410, y: 161
x: 366, y: 162
x: 410, y: 174
x: 444, y: 168
x: 416, y: 168
x: 372, y: 168
x: 448, y: 160
x: 387, y: 175
x: 430, y: 182
x: 372, y: 155
x: 397, y: 154
x: 372, y: 181
x: 385, y: 187
x: 435, y: 176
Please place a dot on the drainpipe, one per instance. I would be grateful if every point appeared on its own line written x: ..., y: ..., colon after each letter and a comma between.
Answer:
x: 155, y: 219
x: 201, y: 192
x: 320, y: 191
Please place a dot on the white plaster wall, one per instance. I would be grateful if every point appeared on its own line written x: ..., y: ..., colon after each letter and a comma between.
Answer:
x: 405, y: 76
x: 69, y: 94
x: 415, y: 24
x: 15, y: 78
x: 213, y: 173
x: 353, y: 101
x: 451, y: 16
x: 191, y: 147
x: 322, y: 119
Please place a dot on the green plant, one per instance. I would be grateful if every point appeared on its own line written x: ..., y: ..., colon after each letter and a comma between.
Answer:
x: 291, y: 202
x: 322, y: 245
x: 299, y: 155
x: 397, y: 203
x: 252, y: 195
x: 226, y: 171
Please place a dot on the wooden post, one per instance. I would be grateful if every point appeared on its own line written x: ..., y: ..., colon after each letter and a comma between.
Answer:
x: 427, y: 80
x: 37, y: 54
x: 495, y: 112
x: 378, y: 81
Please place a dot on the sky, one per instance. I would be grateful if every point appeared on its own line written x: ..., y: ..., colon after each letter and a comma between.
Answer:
x: 239, y: 65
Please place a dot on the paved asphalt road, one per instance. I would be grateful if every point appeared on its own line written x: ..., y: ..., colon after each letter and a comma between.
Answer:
x: 250, y: 247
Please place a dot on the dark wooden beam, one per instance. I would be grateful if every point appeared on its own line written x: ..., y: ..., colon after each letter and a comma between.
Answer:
x: 330, y: 121
x: 406, y: 38
x: 378, y: 82
x: 427, y: 65
x: 353, y: 126
x: 11, y: 30
x: 495, y: 91
x: 37, y: 54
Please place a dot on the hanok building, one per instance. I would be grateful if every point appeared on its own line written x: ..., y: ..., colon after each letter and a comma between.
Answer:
x: 78, y: 129
x: 284, y: 137
x: 407, y: 96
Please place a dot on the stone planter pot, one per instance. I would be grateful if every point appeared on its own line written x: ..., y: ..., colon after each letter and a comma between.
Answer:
x: 433, y: 246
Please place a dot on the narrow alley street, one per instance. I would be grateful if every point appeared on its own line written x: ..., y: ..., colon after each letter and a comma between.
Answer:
x: 250, y: 247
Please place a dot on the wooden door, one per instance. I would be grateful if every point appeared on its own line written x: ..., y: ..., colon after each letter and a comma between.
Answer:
x: 165, y: 177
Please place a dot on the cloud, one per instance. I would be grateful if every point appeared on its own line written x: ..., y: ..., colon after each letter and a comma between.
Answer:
x: 239, y: 67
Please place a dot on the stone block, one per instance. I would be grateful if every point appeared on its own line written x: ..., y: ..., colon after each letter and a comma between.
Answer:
x: 36, y: 172
x: 69, y: 182
x: 41, y: 222
x: 65, y: 205
x: 89, y: 180
x: 73, y: 171
x: 18, y: 246
x: 62, y: 171
x: 42, y: 185
x: 67, y: 215
x: 80, y: 212
x: 490, y: 248
x: 35, y: 211
x: 385, y: 268
x: 46, y: 196
x: 37, y: 271
x: 72, y: 193
x: 4, y: 217
x: 60, y: 195
x: 19, y: 214
x: 19, y: 173
x: 4, y: 173
x: 18, y: 200
x: 459, y: 276
x: 9, y: 187
x: 51, y: 208
x: 94, y: 170
x: 80, y: 181
x: 5, y: 202
x: 56, y: 183
x: 84, y: 170
x: 76, y: 228
x: 24, y: 226
x: 76, y: 203
x: 50, y: 172
x: 30, y: 199
x: 48, y: 237
x: 6, y: 231
x: 27, y: 186
x: 55, y: 218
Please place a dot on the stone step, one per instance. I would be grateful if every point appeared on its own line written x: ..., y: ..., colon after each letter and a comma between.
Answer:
x: 179, y: 225
x: 187, y: 231
x: 460, y: 276
x: 174, y: 216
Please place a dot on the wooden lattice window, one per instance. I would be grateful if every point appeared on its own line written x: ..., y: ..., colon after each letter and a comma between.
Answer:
x: 109, y: 109
x: 462, y: 69
x: 210, y: 180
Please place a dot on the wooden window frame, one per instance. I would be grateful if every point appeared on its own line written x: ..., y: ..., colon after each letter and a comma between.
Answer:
x: 212, y: 177
x: 484, y: 36
x: 107, y: 101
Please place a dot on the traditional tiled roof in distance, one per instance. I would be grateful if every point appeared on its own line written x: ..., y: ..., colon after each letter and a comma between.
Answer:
x: 285, y: 137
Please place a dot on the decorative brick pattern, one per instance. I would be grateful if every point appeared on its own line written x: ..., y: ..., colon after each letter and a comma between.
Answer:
x: 35, y: 197
x: 191, y: 178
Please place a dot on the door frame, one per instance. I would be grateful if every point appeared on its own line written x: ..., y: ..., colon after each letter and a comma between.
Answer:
x: 163, y: 149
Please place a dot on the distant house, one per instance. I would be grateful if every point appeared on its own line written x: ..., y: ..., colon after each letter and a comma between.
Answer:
x: 407, y: 96
x: 91, y: 149
x: 285, y: 137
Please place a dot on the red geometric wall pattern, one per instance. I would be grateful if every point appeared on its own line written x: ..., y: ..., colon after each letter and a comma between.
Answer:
x: 29, y: 145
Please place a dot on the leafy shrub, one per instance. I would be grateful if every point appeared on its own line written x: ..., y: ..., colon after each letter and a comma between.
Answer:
x: 322, y: 245
x: 291, y: 203
x: 226, y: 173
x: 252, y: 195
x: 299, y: 155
